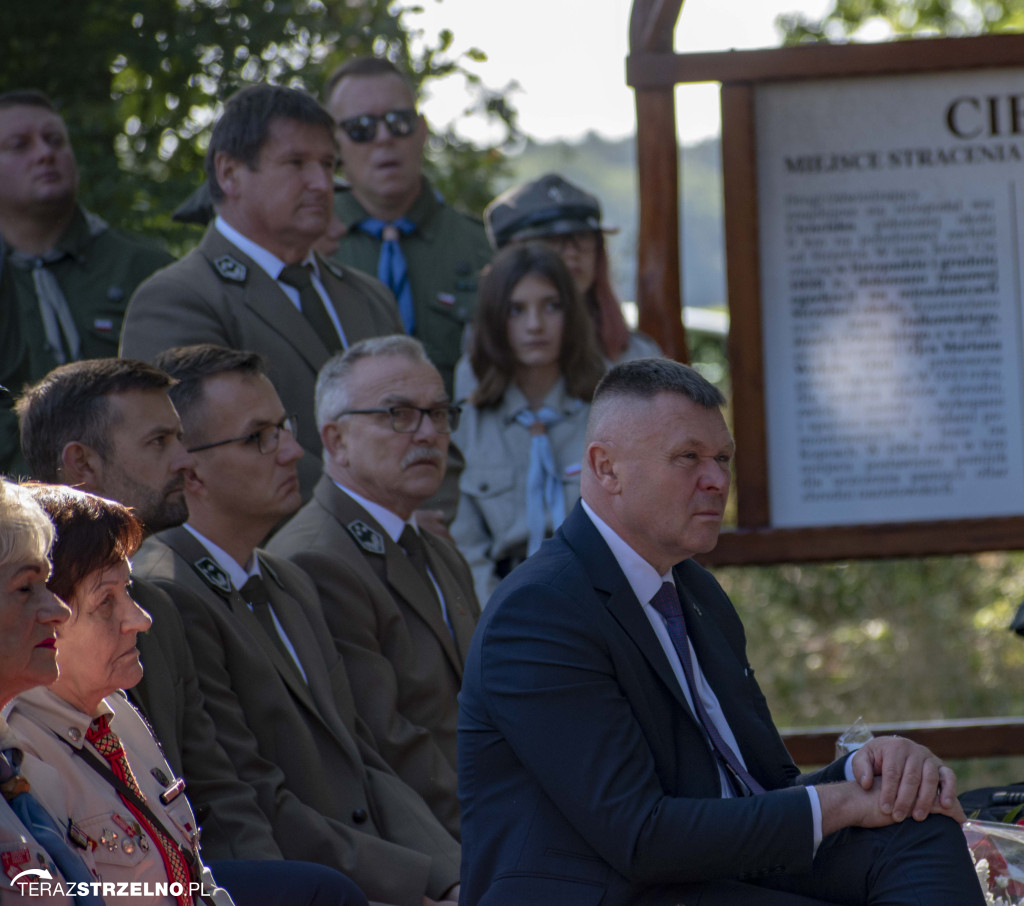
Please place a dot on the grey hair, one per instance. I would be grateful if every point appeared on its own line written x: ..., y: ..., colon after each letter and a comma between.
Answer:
x: 332, y: 392
x: 26, y: 532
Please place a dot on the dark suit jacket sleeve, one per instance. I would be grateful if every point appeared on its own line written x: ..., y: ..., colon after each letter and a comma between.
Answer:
x: 234, y: 827
x: 352, y: 610
x: 550, y: 682
x: 385, y: 871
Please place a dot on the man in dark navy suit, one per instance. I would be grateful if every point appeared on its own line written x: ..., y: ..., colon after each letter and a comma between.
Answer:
x: 614, y: 747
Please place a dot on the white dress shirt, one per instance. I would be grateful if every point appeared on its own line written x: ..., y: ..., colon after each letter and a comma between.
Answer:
x: 274, y: 265
x: 645, y: 582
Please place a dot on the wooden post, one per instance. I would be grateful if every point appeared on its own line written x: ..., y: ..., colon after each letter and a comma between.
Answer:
x: 659, y: 288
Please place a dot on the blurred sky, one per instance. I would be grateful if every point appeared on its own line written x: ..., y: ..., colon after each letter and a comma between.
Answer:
x: 568, y: 56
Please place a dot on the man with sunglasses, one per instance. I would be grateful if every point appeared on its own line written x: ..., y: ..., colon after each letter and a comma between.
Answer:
x: 396, y: 225
x: 273, y: 680
x: 254, y: 282
x: 399, y: 601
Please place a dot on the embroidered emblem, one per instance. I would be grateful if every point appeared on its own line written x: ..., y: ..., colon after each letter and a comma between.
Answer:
x: 367, y: 538
x: 213, y: 575
x: 230, y: 269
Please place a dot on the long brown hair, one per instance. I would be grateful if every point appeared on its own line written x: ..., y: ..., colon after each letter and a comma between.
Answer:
x: 491, y: 356
x: 605, y: 308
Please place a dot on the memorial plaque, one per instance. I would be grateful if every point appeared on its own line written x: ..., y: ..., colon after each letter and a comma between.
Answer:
x: 890, y: 256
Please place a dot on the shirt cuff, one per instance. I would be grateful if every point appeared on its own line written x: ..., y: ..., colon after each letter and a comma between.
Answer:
x: 848, y: 768
x: 816, y: 818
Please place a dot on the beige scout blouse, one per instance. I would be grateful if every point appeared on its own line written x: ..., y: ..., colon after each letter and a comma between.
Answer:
x: 51, y: 728
x: 490, y: 524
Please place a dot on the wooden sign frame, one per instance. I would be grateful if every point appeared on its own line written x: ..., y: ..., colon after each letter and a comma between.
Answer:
x: 755, y: 540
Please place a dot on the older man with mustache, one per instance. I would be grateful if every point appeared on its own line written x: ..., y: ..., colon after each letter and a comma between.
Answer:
x: 399, y: 601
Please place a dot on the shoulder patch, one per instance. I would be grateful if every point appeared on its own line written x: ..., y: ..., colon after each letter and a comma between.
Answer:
x: 213, y: 575
x: 230, y: 268
x: 367, y: 538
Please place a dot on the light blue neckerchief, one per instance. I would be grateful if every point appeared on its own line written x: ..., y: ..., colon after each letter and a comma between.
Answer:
x: 544, y: 497
x: 47, y: 832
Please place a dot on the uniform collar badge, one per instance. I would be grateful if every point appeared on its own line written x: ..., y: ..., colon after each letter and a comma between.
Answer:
x: 213, y: 575
x: 367, y: 538
x: 230, y: 268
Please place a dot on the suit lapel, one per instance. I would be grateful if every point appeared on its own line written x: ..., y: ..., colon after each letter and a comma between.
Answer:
x: 265, y: 298
x: 316, y: 692
x: 460, y: 613
x: 611, y: 584
x: 356, y: 320
x: 716, y: 657
x: 390, y: 564
x: 188, y: 547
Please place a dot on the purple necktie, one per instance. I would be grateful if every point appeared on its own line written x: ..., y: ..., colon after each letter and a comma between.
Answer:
x: 666, y: 602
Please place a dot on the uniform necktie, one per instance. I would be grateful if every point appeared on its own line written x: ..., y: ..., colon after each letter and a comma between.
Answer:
x: 392, y: 268
x: 300, y: 276
x: 107, y: 743
x: 666, y: 602
x: 255, y: 593
x: 43, y: 828
x: 416, y: 551
x: 544, y: 495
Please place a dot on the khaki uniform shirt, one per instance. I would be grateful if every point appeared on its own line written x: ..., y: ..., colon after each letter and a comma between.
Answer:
x: 97, y: 275
x: 444, y: 257
x: 490, y: 524
x: 51, y: 728
x: 18, y: 848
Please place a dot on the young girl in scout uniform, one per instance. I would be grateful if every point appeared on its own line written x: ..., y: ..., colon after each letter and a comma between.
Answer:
x: 536, y: 364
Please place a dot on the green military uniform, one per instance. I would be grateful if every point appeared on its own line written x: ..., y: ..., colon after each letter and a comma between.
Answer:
x: 444, y: 257
x: 97, y: 269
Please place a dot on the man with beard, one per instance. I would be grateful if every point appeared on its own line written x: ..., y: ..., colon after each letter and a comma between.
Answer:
x: 108, y: 426
x: 272, y: 677
x: 399, y: 601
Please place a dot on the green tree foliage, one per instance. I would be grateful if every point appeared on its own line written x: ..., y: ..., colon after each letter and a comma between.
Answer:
x: 852, y: 18
x: 139, y: 83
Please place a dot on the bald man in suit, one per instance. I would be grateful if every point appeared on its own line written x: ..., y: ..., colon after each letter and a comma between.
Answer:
x: 614, y: 746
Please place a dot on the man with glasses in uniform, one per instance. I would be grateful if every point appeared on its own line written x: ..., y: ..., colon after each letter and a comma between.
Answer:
x: 399, y: 601
x: 395, y: 224
x: 254, y: 282
x: 272, y: 677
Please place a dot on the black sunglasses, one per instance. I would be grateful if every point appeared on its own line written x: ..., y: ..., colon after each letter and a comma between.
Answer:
x: 360, y: 129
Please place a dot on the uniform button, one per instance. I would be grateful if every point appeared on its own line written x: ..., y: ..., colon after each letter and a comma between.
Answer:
x: 74, y: 734
x: 359, y: 816
x: 484, y: 487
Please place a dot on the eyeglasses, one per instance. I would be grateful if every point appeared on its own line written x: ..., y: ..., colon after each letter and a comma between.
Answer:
x: 267, y: 439
x: 584, y: 241
x: 407, y: 419
x: 360, y: 129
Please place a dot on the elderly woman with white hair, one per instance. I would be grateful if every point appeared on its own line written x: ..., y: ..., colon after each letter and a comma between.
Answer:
x: 33, y: 849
